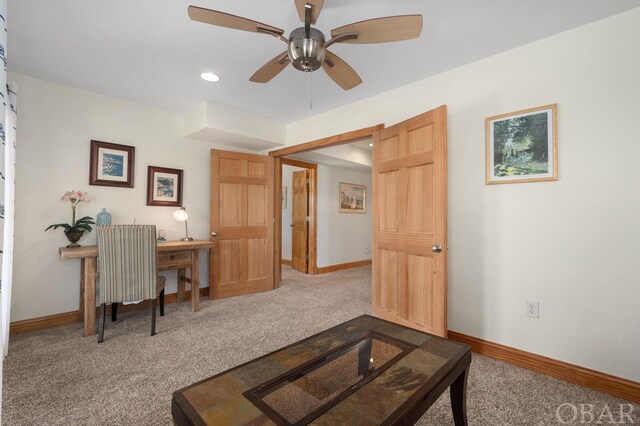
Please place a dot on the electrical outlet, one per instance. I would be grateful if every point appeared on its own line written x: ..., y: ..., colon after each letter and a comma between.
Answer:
x: 532, y: 309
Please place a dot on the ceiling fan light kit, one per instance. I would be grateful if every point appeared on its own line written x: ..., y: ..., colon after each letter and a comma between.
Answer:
x: 306, y: 53
x: 307, y: 46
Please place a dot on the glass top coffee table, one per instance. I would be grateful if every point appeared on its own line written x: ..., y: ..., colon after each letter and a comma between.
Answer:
x: 366, y: 371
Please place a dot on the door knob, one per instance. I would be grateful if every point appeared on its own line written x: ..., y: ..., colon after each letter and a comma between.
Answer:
x: 436, y: 248
x: 214, y: 234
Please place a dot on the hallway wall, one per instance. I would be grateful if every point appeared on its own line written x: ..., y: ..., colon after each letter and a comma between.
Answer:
x: 342, y: 237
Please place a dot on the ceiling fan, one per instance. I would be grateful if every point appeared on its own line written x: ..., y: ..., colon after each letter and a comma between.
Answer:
x: 307, y: 46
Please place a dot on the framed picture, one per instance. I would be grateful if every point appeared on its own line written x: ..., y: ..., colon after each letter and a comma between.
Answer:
x: 352, y: 198
x: 164, y: 186
x: 522, y: 146
x: 284, y: 198
x: 111, y: 164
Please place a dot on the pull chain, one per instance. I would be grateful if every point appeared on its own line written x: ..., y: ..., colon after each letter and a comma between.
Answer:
x: 311, y: 90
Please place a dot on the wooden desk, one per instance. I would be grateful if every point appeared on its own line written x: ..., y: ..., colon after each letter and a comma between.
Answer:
x: 178, y: 255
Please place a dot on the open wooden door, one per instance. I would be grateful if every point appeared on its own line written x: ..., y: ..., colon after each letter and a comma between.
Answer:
x: 410, y: 223
x: 242, y: 224
x: 299, y: 223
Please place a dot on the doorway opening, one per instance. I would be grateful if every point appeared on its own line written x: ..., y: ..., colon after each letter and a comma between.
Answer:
x: 409, y: 219
x: 299, y: 232
x: 282, y: 159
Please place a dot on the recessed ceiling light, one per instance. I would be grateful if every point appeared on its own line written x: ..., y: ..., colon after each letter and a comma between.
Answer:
x: 371, y: 144
x: 209, y: 76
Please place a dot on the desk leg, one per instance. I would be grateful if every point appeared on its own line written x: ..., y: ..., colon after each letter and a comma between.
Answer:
x: 195, y: 281
x: 181, y: 274
x: 459, y: 398
x: 81, y: 302
x: 89, y: 278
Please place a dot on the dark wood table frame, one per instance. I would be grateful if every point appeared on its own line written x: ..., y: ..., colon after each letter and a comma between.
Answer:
x: 452, y: 374
x: 180, y: 255
x: 364, y: 347
x: 456, y: 381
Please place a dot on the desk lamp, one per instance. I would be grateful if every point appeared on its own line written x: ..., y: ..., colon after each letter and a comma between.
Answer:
x: 182, y: 216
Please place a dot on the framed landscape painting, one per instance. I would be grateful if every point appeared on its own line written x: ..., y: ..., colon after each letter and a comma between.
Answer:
x: 522, y: 146
x: 164, y: 186
x: 111, y: 164
x: 352, y: 198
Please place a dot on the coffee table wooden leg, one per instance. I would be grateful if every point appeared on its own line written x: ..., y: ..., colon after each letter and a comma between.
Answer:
x: 89, y: 278
x: 458, y: 393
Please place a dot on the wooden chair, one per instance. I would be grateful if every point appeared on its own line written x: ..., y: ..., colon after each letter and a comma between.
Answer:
x: 128, y: 269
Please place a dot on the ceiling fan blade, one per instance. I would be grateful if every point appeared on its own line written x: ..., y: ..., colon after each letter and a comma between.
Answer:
x: 316, y: 7
x: 381, y: 30
x: 340, y: 71
x: 271, y: 68
x: 222, y: 19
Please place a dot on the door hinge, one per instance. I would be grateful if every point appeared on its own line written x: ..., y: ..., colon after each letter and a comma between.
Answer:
x: 274, y: 219
x: 308, y: 180
x: 308, y: 257
x: 308, y: 219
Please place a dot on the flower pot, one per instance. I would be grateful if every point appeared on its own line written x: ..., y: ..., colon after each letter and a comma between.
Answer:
x: 73, y: 237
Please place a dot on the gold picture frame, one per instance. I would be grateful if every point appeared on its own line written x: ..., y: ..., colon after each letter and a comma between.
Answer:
x: 352, y: 198
x: 522, y: 146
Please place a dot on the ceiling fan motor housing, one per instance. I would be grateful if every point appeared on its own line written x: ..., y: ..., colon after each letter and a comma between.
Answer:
x: 306, y: 53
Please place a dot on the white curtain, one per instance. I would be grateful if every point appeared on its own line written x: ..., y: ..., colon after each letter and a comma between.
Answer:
x: 11, y: 115
x: 8, y: 116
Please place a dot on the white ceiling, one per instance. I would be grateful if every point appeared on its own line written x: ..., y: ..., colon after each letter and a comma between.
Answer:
x: 149, y: 51
x: 355, y: 156
x: 366, y: 144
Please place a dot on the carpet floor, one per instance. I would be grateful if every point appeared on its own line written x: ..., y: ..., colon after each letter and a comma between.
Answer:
x: 58, y: 377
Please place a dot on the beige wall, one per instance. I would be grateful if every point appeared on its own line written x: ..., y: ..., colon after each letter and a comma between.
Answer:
x: 55, y: 125
x: 572, y: 245
x: 342, y: 237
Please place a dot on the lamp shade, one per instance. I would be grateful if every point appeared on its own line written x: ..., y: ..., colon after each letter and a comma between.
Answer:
x: 180, y: 215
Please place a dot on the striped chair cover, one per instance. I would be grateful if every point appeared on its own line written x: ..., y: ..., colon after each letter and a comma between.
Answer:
x: 127, y: 261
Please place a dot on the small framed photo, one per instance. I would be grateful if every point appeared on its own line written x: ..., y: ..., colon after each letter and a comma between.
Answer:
x: 111, y: 164
x: 164, y: 186
x: 352, y: 198
x: 522, y: 146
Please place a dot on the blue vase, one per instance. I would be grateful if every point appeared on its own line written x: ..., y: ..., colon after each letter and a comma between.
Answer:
x: 103, y: 218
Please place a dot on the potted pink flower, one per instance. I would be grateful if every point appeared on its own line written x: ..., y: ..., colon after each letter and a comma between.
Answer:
x: 77, y: 228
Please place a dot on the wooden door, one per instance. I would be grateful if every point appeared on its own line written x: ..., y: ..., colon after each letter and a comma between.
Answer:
x: 410, y: 222
x: 242, y: 216
x: 299, y: 223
